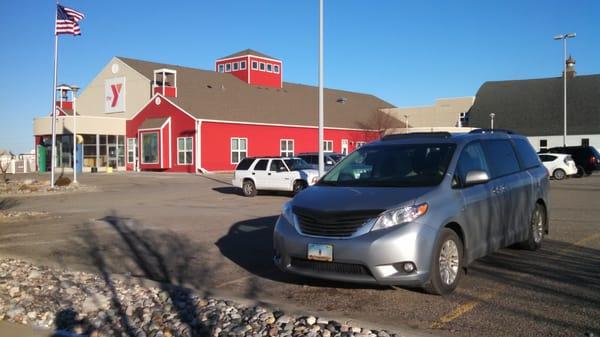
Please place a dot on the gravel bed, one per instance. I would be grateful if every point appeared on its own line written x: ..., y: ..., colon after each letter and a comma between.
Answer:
x: 92, y: 305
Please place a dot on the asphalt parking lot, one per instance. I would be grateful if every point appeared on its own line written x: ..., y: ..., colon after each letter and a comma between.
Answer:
x: 198, y: 231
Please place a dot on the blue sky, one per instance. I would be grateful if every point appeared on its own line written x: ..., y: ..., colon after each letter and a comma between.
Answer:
x: 406, y: 52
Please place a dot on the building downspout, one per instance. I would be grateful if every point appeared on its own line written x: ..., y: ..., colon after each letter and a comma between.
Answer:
x: 199, y: 169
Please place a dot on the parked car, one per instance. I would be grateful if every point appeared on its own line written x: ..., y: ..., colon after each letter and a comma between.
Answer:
x: 275, y: 174
x: 423, y: 207
x: 559, y: 165
x: 587, y: 158
x: 312, y: 158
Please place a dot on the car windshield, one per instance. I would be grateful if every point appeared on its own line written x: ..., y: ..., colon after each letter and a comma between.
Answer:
x: 297, y: 164
x: 406, y: 165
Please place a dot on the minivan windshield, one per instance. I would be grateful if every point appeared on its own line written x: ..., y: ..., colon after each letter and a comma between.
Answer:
x: 392, y: 165
x: 297, y: 164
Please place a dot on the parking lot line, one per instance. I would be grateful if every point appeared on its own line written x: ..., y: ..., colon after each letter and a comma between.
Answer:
x: 467, y: 307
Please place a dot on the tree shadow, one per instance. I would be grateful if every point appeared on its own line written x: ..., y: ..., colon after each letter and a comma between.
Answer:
x: 67, y: 323
x: 175, y: 263
x: 8, y: 203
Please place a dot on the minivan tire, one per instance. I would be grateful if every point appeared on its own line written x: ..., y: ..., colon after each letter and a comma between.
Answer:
x: 448, y: 257
x: 580, y: 172
x: 248, y: 188
x: 299, y: 185
x: 537, y: 228
x: 559, y: 174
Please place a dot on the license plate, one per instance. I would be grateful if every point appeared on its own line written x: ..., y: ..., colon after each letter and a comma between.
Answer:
x: 320, y: 252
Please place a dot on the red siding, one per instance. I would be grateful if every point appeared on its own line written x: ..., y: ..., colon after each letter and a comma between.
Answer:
x: 270, y: 79
x: 241, y: 74
x: 264, y: 140
x: 182, y: 125
x: 169, y: 91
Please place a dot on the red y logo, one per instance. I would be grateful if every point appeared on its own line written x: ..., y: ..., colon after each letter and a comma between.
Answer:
x: 116, y: 90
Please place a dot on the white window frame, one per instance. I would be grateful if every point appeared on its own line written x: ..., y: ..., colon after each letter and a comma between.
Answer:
x: 261, y: 66
x: 325, y: 143
x: 360, y: 144
x: 286, y: 152
x: 231, y: 150
x: 221, y: 68
x: 242, y: 65
x: 254, y: 63
x: 235, y: 64
x: 191, y: 150
x: 269, y: 65
x: 131, y: 149
x: 227, y: 67
x: 276, y: 68
x: 158, y: 147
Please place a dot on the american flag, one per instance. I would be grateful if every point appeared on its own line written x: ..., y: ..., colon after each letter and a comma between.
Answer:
x: 67, y: 20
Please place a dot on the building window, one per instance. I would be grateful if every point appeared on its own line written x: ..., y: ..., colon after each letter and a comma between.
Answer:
x: 262, y: 66
x: 131, y: 150
x: 543, y: 143
x: 585, y: 142
x: 236, y: 66
x: 286, y: 147
x: 270, y: 68
x: 254, y: 65
x: 276, y: 69
x: 184, y: 150
x: 360, y: 144
x: 239, y: 149
x: 243, y: 65
x: 221, y: 68
x: 328, y: 145
x: 228, y: 67
x: 150, y: 148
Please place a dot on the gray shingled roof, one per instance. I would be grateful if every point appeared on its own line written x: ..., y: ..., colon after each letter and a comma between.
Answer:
x: 535, y: 107
x: 222, y: 96
x: 248, y: 52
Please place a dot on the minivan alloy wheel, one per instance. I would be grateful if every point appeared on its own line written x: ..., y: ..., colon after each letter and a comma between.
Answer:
x: 537, y: 226
x: 449, y: 262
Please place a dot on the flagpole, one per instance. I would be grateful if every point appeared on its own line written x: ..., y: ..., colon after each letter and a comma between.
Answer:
x: 53, y: 160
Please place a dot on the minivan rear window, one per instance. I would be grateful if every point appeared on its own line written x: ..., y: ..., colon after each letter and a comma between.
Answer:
x: 261, y: 165
x: 404, y: 165
x: 526, y: 154
x: 245, y: 164
x: 500, y: 157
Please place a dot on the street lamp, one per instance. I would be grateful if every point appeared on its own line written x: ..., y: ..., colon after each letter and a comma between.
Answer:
x: 321, y: 132
x: 564, y: 38
x: 492, y: 115
x: 74, y: 90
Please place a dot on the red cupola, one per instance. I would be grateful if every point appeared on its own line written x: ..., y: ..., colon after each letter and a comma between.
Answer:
x: 253, y: 68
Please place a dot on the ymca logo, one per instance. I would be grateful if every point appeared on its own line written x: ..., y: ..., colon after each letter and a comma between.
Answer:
x: 116, y: 90
x: 114, y: 93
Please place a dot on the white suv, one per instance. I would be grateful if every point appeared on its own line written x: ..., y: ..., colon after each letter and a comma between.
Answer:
x: 275, y: 174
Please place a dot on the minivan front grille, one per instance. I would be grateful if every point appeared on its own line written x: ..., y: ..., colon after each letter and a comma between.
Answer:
x: 330, y: 267
x: 332, y: 224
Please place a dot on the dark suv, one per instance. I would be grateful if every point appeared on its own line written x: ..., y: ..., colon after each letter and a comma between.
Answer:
x: 586, y: 158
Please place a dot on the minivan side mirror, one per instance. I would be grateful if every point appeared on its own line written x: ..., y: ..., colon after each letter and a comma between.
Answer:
x: 476, y: 177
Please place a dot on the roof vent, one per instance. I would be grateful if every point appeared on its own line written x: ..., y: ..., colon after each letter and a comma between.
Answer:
x: 342, y: 100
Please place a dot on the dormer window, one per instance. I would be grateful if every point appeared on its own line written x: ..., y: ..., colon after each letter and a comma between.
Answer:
x: 228, y: 67
x: 236, y: 66
x: 243, y: 65
x: 276, y: 69
x: 253, y: 68
x: 269, y: 68
x: 221, y: 68
x: 165, y: 82
x: 262, y: 66
x: 254, y: 65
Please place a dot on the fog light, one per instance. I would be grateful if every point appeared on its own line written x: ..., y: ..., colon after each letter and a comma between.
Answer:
x: 408, y: 267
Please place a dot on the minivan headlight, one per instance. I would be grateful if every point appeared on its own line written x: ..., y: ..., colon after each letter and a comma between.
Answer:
x: 398, y: 216
x: 286, y: 213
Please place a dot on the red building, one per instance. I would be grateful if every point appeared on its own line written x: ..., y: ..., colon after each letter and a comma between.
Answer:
x: 198, y: 120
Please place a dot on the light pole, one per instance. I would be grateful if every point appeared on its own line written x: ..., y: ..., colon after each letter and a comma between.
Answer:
x: 406, y: 121
x: 321, y: 136
x: 492, y: 115
x: 74, y: 90
x: 564, y: 38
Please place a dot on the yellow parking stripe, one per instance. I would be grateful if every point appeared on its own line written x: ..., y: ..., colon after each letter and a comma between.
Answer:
x: 467, y: 307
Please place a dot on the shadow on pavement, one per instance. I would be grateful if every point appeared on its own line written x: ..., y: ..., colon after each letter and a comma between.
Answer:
x: 8, y: 203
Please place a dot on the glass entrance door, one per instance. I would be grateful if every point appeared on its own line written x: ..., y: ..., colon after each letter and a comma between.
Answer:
x: 112, y: 155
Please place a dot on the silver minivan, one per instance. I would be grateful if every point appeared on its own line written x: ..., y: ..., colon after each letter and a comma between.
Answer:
x: 416, y: 210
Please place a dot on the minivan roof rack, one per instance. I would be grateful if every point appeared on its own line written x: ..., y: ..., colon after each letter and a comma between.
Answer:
x: 510, y: 132
x: 439, y: 134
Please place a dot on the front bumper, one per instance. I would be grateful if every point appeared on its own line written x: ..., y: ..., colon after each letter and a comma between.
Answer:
x: 372, y: 258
